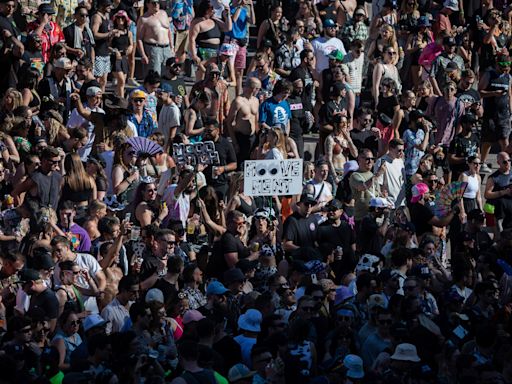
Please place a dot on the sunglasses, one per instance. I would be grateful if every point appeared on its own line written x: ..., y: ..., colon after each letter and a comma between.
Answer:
x: 477, y: 163
x: 151, y: 190
x: 139, y: 100
x: 75, y: 322
x: 83, y: 14
x: 392, y: 53
x: 170, y: 242
x: 369, y: 159
x: 507, y: 161
x: 504, y: 63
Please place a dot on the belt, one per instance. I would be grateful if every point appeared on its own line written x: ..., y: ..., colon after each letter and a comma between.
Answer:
x: 157, y: 45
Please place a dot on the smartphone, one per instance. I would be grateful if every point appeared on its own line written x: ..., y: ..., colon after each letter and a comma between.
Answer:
x: 314, y: 279
x: 128, y: 216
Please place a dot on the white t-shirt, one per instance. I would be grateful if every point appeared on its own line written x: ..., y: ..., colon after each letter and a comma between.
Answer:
x: 169, y: 118
x: 355, y: 68
x: 274, y: 154
x: 91, y: 265
x: 179, y: 207
x: 393, y: 180
x: 76, y: 120
x: 322, y: 46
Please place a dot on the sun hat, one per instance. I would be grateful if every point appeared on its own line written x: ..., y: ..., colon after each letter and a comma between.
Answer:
x: 116, y: 102
x: 250, y: 321
x: 155, y: 295
x: 406, y: 352
x: 368, y: 263
x: 424, y: 21
x: 354, y: 365
x: 238, y: 372
x: 216, y: 288
x: 92, y: 321
x: 418, y: 190
x: 192, y: 315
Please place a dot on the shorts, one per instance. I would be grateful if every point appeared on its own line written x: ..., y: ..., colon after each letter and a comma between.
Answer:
x: 495, y: 129
x: 181, y: 41
x: 120, y: 65
x: 206, y: 53
x: 240, y: 58
x: 133, y: 30
x: 387, y: 133
x: 101, y: 66
x: 157, y: 58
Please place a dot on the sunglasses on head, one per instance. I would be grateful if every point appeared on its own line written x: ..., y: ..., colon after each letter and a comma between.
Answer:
x: 504, y: 63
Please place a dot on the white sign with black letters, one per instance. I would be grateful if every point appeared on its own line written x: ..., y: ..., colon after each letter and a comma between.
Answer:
x: 273, y: 177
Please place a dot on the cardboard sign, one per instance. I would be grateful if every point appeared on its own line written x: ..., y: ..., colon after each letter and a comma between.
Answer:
x: 195, y: 153
x: 273, y: 177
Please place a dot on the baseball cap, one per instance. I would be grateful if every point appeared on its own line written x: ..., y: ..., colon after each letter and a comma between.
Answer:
x: 336, y: 55
x: 451, y: 4
x: 238, y: 372
x: 307, y: 198
x: 216, y: 288
x: 46, y: 8
x: 233, y: 275
x: 138, y: 94
x: 167, y: 88
x: 418, y: 190
x: 334, y: 205
x: 92, y: 321
x: 92, y: 91
x: 416, y: 114
x: 376, y: 301
x: 154, y: 294
x: 226, y: 49
x: 448, y: 40
x: 246, y: 265
x: 329, y: 23
x: 192, y: 315
x: 28, y: 274
x: 378, y: 202
x: 63, y: 63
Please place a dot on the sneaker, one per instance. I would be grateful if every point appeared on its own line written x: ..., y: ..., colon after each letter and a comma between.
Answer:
x: 133, y: 83
x: 485, y: 168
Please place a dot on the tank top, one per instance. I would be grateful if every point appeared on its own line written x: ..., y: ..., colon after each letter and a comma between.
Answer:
x: 245, y: 208
x: 498, y: 106
x: 393, y: 75
x: 101, y: 47
x: 75, y: 196
x: 214, y: 33
x: 501, y: 181
x: 121, y: 43
x: 472, y: 188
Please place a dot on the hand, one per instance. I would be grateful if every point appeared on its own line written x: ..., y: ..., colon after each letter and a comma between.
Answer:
x: 101, y: 147
x: 7, y: 34
x: 196, y: 59
x: 85, y: 274
x: 164, y: 211
x: 79, y: 53
x: 145, y: 60
x: 134, y: 175
x: 126, y: 227
x: 218, y: 170
x: 200, y: 204
x: 382, y: 169
x: 75, y: 97
x: 46, y: 19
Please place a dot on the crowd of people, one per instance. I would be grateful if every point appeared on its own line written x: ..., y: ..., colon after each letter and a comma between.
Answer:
x: 127, y: 257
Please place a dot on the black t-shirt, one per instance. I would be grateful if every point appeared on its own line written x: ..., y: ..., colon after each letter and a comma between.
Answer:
x: 329, y: 237
x: 387, y: 105
x: 308, y: 82
x: 229, y: 349
x: 149, y: 266
x: 369, y: 239
x: 302, y: 231
x: 469, y: 96
x: 420, y: 216
x: 328, y: 110
x: 168, y: 289
x: 298, y: 120
x: 226, y: 155
x: 228, y: 243
x: 462, y: 146
x: 46, y: 301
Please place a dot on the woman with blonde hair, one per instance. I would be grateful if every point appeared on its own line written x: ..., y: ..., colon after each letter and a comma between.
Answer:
x: 125, y: 174
x: 79, y: 187
x: 277, y: 145
x: 97, y: 210
x: 12, y: 99
x: 386, y: 38
x: 56, y: 131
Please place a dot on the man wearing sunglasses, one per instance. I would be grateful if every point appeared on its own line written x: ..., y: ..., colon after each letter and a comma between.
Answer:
x: 495, y: 88
x: 499, y: 189
x: 393, y: 178
x: 438, y: 73
x: 464, y: 145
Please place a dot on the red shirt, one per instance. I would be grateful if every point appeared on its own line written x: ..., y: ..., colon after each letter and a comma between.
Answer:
x: 51, y: 35
x: 441, y: 24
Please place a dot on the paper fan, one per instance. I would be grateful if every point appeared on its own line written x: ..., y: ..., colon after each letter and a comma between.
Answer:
x: 144, y: 147
x: 446, y: 196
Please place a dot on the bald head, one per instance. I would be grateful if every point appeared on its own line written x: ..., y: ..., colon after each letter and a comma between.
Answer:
x: 503, y: 159
x: 253, y: 82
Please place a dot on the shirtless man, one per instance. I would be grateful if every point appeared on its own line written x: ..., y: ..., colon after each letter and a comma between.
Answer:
x: 154, y: 37
x: 242, y: 120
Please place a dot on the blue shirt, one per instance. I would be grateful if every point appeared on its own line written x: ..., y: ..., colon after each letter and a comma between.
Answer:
x: 146, y: 126
x: 239, y: 29
x: 273, y: 113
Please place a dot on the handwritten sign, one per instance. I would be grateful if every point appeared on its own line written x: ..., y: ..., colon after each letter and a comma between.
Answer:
x: 272, y: 177
x: 195, y: 153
